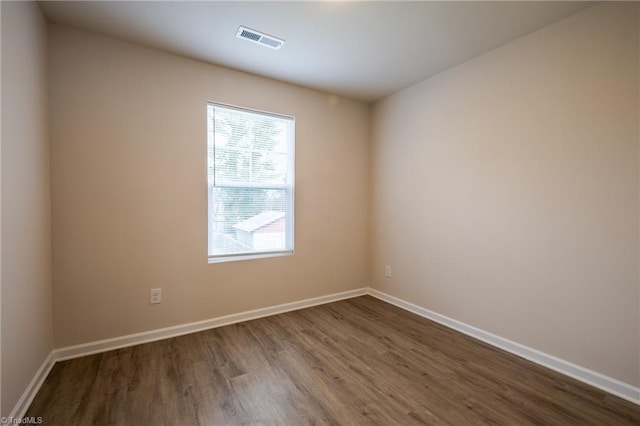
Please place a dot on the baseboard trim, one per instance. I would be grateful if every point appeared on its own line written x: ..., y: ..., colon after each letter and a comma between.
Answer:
x: 105, y: 345
x: 590, y: 377
x: 593, y: 378
x: 84, y: 349
x: 32, y: 389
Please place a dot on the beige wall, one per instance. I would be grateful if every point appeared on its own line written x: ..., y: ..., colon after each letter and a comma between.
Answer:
x: 505, y: 191
x: 27, y: 335
x: 129, y: 190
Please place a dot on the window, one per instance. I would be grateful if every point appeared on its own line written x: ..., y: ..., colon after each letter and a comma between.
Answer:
x: 250, y: 171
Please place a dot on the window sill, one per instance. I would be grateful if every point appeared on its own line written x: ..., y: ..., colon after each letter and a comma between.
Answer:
x: 235, y: 258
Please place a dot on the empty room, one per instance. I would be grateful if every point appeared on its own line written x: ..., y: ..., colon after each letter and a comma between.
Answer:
x: 320, y: 212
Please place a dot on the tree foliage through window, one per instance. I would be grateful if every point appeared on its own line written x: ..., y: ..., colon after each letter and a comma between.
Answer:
x: 249, y: 171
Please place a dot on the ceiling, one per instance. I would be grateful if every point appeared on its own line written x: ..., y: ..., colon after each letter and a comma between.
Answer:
x: 363, y: 50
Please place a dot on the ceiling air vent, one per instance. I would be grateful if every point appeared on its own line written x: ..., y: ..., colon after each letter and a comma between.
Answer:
x: 260, y: 38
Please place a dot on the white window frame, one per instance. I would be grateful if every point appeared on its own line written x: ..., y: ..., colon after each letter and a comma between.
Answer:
x: 289, y: 188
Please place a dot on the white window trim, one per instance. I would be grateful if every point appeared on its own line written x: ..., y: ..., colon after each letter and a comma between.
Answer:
x: 289, y: 186
x: 251, y: 256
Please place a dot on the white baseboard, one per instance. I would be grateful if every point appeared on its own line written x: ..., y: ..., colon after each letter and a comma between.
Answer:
x: 105, y: 345
x: 608, y: 384
x: 593, y: 378
x: 32, y: 389
x: 179, y: 330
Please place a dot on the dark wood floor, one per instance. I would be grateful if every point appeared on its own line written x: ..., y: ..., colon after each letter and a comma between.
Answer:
x: 359, y: 361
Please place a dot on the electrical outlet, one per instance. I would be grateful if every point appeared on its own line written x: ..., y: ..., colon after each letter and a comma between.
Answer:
x: 387, y: 271
x: 155, y: 296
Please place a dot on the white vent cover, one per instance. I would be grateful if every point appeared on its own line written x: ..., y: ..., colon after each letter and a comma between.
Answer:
x: 260, y: 38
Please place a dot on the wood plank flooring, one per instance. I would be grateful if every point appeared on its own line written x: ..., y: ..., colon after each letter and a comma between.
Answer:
x: 354, y: 362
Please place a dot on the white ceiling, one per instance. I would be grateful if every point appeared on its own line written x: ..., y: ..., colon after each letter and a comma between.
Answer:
x: 363, y: 50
